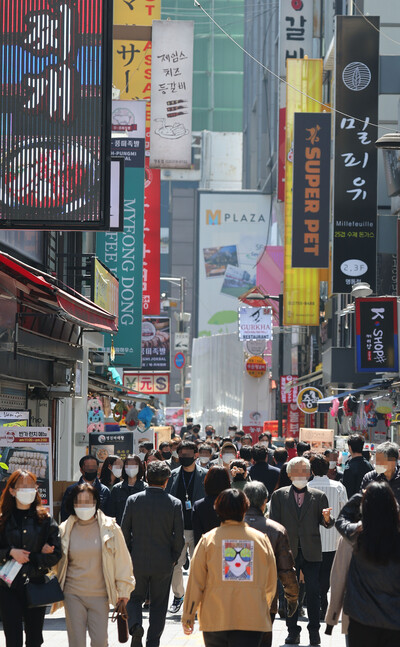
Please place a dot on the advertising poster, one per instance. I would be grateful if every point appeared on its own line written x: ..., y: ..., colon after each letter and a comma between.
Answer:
x: 104, y: 445
x: 174, y: 416
x: 171, y: 94
x: 233, y: 231
x: 319, y: 439
x: 151, y: 243
x: 15, y: 418
x: 376, y: 335
x: 296, y: 31
x: 122, y: 252
x: 55, y: 68
x: 156, y: 344
x: 28, y: 448
x: 311, y: 189
x: 355, y: 187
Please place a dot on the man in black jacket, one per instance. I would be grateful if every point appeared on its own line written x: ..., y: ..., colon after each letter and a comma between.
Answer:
x: 88, y: 465
x: 357, y: 466
x: 261, y: 470
x: 153, y: 529
x: 387, y: 468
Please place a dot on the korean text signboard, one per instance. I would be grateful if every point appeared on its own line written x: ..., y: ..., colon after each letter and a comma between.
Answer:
x: 296, y: 30
x: 122, y: 252
x: 255, y: 323
x: 156, y: 344
x: 171, y: 94
x: 151, y: 242
x: 288, y: 389
x: 55, y: 68
x: 376, y: 335
x: 311, y: 189
x: 103, y: 445
x: 136, y: 12
x: 355, y: 188
x: 29, y: 448
x: 307, y: 399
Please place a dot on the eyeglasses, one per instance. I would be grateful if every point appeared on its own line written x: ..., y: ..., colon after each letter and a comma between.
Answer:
x: 230, y: 554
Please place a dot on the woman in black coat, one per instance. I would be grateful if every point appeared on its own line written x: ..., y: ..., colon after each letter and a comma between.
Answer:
x: 30, y: 536
x: 204, y: 517
x: 132, y: 483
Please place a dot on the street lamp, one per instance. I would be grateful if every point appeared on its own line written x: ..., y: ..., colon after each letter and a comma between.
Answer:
x: 361, y: 289
x: 390, y: 141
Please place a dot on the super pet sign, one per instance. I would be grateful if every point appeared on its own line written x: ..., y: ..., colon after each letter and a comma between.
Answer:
x: 55, y: 90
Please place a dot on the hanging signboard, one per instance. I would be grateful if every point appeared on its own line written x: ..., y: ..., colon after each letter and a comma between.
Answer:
x: 307, y: 399
x: 296, y: 31
x: 104, y: 445
x: 256, y: 366
x: 156, y: 343
x: 15, y: 418
x: 288, y: 389
x: 255, y: 323
x: 136, y: 12
x: 148, y: 383
x: 171, y: 94
x: 29, y: 448
x: 311, y: 189
x: 55, y: 68
x: 376, y: 335
x: 355, y: 187
x: 319, y: 439
x: 151, y: 242
x: 104, y: 288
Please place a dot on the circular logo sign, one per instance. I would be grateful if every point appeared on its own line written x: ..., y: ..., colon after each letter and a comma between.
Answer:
x: 256, y: 366
x: 356, y: 76
x: 256, y: 346
x: 307, y: 399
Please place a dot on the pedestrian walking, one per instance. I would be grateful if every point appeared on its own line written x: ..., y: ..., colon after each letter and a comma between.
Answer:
x: 204, y: 517
x: 153, y: 529
x: 302, y: 509
x: 186, y: 484
x: 132, y: 483
x: 334, y: 473
x: 387, y: 468
x: 257, y: 494
x: 261, y: 470
x: 111, y: 471
x: 30, y: 536
x: 232, y: 579
x: 95, y: 569
x: 205, y: 456
x: 239, y: 474
x: 356, y: 468
x: 88, y: 466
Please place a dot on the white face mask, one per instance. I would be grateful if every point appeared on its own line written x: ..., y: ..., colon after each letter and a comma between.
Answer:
x: 132, y: 471
x: 85, y: 513
x: 174, y: 454
x: 239, y: 445
x: 142, y: 456
x: 204, y: 460
x: 227, y: 458
x: 26, y: 495
x: 263, y: 443
x: 380, y: 469
x: 117, y: 471
x: 332, y: 465
x: 300, y: 483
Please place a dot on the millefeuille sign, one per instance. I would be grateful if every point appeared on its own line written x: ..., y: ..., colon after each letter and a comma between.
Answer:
x: 376, y: 335
x: 311, y: 189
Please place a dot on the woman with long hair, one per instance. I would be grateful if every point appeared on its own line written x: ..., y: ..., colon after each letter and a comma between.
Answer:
x: 111, y: 471
x: 95, y: 569
x: 232, y: 579
x: 372, y: 599
x: 132, y: 483
x: 30, y: 536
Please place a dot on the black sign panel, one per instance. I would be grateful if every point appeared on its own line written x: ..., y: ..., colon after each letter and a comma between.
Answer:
x: 355, y: 188
x: 376, y: 335
x: 156, y: 341
x: 311, y: 189
x: 55, y: 113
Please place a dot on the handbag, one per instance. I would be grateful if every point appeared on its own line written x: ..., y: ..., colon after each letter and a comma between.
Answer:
x: 45, y: 593
x: 120, y: 616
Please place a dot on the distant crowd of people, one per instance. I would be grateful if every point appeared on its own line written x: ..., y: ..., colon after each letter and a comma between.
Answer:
x: 278, y: 525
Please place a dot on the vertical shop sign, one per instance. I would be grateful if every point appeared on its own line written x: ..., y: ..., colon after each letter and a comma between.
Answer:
x: 311, y: 189
x: 301, y: 286
x: 355, y: 188
x: 171, y: 94
x: 376, y: 335
x: 136, y: 12
x: 151, y: 243
x: 281, y: 155
x: 288, y: 389
x: 122, y: 252
x: 296, y: 30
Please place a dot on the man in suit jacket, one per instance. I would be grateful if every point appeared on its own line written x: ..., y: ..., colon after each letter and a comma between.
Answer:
x: 301, y: 510
x: 153, y: 529
x: 88, y: 466
x: 187, y: 485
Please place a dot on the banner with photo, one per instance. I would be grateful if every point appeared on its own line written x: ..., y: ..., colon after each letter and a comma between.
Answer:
x: 233, y: 231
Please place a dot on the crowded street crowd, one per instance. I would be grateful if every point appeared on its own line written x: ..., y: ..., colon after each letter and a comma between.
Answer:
x: 262, y: 530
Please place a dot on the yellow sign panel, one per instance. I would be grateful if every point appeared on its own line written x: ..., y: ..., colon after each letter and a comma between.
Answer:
x: 301, y: 286
x: 132, y: 72
x: 256, y: 366
x: 307, y: 399
x: 106, y: 289
x: 136, y: 12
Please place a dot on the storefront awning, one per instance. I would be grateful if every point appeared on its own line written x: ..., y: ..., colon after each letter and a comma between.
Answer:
x: 74, y: 307
x: 325, y: 404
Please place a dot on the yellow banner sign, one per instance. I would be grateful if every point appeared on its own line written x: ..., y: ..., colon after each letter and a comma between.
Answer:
x: 136, y: 12
x: 301, y: 286
x: 132, y: 72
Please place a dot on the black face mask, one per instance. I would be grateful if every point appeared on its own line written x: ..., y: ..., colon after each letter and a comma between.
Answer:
x: 186, y: 461
x: 209, y: 433
x: 166, y: 455
x: 89, y: 476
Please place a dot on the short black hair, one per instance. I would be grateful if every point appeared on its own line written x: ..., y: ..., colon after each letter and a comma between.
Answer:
x: 231, y: 505
x: 216, y: 480
x: 140, y: 473
x: 187, y: 444
x: 302, y: 447
x: 259, y: 453
x: 289, y: 443
x: 86, y: 458
x: 281, y: 455
x: 157, y: 472
x: 205, y: 448
x: 238, y: 462
x: 147, y: 445
x: 356, y: 442
x: 189, y: 419
x: 264, y: 433
x: 248, y: 437
x: 240, y: 433
x: 245, y: 453
x: 165, y: 443
x: 233, y: 427
x: 319, y: 465
x: 73, y: 495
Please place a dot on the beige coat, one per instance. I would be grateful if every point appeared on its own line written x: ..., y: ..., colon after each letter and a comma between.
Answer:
x: 339, y: 572
x: 117, y: 563
x: 232, y: 580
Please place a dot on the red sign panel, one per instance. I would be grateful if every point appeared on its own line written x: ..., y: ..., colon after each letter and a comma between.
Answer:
x: 281, y: 155
x: 288, y: 391
x: 151, y: 242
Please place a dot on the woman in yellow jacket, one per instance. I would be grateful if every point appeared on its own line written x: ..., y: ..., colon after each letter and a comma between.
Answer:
x: 95, y: 569
x: 232, y: 579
